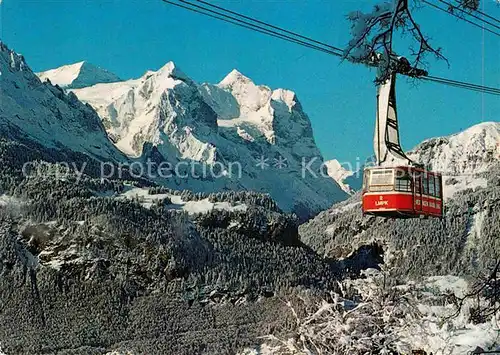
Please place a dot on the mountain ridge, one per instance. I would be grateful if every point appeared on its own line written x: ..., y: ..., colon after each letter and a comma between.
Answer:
x: 44, y: 113
x: 235, y: 121
x: 460, y: 157
x: 77, y: 75
x: 93, y: 265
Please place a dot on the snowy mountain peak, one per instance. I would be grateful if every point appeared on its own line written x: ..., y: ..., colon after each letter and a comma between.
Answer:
x: 170, y: 70
x: 233, y: 77
x: 484, y: 132
x: 43, y: 113
x: 469, y: 152
x: 250, y: 97
x: 167, y: 115
x: 78, y: 75
x: 16, y: 61
x: 347, y: 180
x: 147, y: 112
x: 286, y: 96
x: 259, y: 111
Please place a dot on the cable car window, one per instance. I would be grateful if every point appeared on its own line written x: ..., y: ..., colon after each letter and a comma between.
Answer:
x: 425, y: 190
x: 417, y: 176
x: 403, y: 181
x: 418, y: 186
x: 382, y: 180
x: 418, y: 182
x: 438, y: 186
x: 366, y: 177
x: 431, y: 186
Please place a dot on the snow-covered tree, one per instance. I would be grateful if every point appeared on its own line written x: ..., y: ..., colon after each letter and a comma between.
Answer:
x: 368, y: 316
x: 373, y: 37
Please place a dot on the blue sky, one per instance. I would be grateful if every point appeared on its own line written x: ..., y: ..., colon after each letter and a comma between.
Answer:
x: 128, y: 37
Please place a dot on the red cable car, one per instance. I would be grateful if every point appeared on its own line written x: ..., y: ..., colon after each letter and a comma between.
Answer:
x: 402, y: 192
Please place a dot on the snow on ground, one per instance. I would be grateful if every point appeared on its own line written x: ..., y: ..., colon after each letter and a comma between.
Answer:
x: 204, y: 206
x: 461, y: 183
x: 447, y: 283
x: 263, y: 349
x: 450, y: 340
x: 6, y: 200
x: 72, y: 255
x: 417, y: 316
x: 435, y: 333
x: 191, y: 207
x: 345, y: 208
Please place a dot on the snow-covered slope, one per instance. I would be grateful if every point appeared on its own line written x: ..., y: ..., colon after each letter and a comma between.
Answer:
x: 461, y: 157
x: 263, y: 131
x: 161, y: 108
x: 340, y: 175
x: 464, y: 241
x: 472, y: 151
x: 258, y: 112
x: 44, y: 113
x: 78, y: 75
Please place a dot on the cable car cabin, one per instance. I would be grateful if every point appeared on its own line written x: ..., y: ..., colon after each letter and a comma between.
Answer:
x: 402, y: 192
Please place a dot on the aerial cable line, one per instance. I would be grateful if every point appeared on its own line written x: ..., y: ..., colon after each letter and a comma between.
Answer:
x: 461, y: 18
x: 256, y: 29
x: 241, y: 23
x: 329, y: 47
x: 453, y: 7
x: 463, y: 85
x: 271, y: 26
x: 488, y: 16
x: 466, y: 87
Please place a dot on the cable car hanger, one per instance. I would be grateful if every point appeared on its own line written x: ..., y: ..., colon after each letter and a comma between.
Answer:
x: 405, y: 191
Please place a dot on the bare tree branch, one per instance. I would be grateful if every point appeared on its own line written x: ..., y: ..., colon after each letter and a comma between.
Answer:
x: 471, y: 5
x: 487, y: 287
x: 373, y: 35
